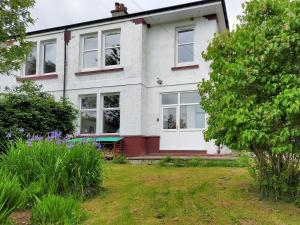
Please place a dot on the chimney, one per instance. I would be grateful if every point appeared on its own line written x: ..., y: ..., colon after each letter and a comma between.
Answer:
x: 120, y: 10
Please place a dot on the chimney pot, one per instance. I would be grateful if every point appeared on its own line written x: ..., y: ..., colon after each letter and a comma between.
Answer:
x: 120, y: 10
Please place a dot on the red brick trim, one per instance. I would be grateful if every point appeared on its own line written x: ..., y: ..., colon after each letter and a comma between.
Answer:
x: 211, y: 17
x: 38, y: 77
x: 139, y: 21
x: 94, y: 72
x: 185, y: 67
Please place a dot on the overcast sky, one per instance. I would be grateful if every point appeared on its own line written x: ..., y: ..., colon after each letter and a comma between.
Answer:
x: 52, y: 13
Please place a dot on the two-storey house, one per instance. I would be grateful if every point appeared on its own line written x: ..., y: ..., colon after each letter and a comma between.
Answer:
x: 133, y: 75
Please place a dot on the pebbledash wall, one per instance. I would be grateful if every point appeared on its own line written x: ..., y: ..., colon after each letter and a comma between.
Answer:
x: 148, y: 53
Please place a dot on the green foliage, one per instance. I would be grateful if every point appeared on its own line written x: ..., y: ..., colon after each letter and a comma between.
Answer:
x: 253, y: 95
x: 197, y: 162
x: 28, y: 110
x: 119, y: 159
x: 57, y: 210
x: 10, y: 195
x: 44, y: 167
x: 14, y: 19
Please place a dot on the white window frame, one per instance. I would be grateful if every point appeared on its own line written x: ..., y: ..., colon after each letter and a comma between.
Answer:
x: 109, y: 109
x: 88, y: 110
x: 178, y: 112
x: 82, y: 51
x: 42, y: 59
x: 178, y: 30
x: 107, y: 33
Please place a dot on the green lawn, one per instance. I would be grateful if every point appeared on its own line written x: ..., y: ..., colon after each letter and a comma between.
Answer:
x: 149, y: 195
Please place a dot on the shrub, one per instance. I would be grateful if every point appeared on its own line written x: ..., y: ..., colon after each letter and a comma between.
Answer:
x: 47, y: 167
x: 120, y: 159
x: 57, y: 210
x: 10, y: 195
x: 34, y: 112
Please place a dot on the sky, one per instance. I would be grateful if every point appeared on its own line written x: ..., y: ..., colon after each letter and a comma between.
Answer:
x: 52, y: 13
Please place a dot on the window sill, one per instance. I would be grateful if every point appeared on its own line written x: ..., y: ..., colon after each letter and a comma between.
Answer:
x: 95, y: 72
x: 38, y: 77
x: 185, y: 67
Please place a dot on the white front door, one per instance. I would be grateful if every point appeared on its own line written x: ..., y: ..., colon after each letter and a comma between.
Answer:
x: 183, y: 122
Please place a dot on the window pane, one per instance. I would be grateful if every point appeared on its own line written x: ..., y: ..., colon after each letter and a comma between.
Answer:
x: 30, y: 67
x: 88, y: 122
x: 112, y: 40
x: 186, y: 36
x: 169, y: 118
x: 111, y: 101
x: 111, y: 121
x: 49, y: 57
x: 90, y: 43
x: 189, y: 97
x: 186, y: 53
x: 89, y: 102
x: 192, y: 116
x: 168, y: 99
x: 112, y: 56
x: 90, y: 59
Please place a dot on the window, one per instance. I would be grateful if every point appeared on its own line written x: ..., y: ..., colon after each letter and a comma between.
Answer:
x: 88, y: 114
x: 112, y: 48
x: 182, y: 109
x: 185, y: 45
x: 49, y: 57
x: 89, y: 51
x: 111, y: 113
x: 30, y: 65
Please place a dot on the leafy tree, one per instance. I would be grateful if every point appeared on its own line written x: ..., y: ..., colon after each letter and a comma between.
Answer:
x: 28, y: 110
x: 253, y: 94
x: 14, y: 18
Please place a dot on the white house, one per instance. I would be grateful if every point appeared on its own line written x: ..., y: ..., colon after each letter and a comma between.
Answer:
x: 133, y: 75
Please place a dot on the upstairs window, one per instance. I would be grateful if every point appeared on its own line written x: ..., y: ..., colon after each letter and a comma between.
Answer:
x: 30, y: 65
x: 112, y: 48
x: 89, y: 51
x: 185, y: 45
x: 88, y: 114
x: 49, y: 56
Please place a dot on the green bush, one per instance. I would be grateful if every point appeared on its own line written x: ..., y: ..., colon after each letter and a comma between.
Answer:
x: 57, y: 210
x: 120, y: 159
x: 10, y: 195
x: 197, y: 162
x: 34, y: 112
x: 47, y: 167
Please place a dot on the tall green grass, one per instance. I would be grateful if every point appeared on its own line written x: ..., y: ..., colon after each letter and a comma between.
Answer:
x: 10, y: 195
x: 45, y: 167
x: 57, y: 210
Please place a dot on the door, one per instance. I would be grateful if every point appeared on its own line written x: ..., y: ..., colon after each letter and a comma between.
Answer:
x: 183, y: 122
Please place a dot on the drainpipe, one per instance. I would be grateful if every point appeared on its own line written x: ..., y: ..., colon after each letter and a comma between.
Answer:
x: 67, y: 37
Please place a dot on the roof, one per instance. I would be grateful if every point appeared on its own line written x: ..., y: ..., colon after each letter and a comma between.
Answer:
x: 132, y: 15
x: 98, y: 139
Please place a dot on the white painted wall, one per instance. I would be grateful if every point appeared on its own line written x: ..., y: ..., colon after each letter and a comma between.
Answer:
x: 146, y: 53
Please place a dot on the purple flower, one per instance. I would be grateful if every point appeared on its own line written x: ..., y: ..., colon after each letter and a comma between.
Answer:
x: 9, y: 135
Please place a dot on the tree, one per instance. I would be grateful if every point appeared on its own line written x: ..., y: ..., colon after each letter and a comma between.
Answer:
x: 28, y: 110
x: 253, y: 94
x: 14, y: 18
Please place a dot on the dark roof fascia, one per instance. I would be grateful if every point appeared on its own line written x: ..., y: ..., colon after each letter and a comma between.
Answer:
x: 128, y: 16
x: 225, y: 13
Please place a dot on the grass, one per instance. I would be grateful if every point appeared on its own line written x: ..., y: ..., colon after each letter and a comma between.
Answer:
x: 151, y: 195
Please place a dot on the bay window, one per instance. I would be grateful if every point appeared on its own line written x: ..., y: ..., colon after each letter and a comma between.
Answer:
x: 88, y: 114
